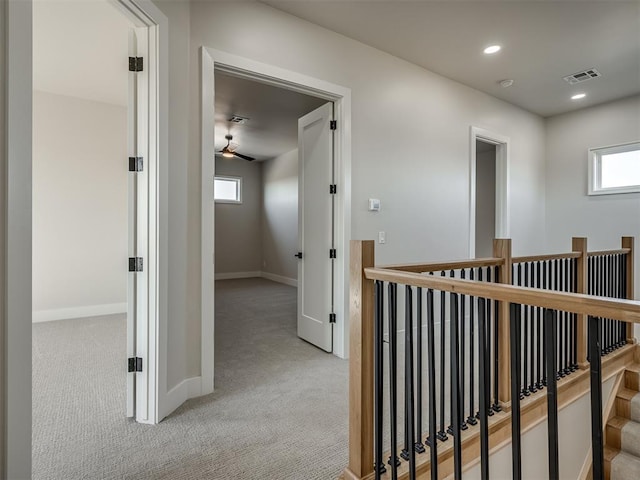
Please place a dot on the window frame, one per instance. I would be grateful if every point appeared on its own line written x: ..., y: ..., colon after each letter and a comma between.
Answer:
x: 595, y: 169
x: 238, y: 181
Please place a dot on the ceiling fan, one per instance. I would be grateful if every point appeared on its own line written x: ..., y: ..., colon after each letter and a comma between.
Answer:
x: 230, y: 152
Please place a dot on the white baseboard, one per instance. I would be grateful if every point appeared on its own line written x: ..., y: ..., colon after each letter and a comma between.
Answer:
x: 78, y: 312
x: 280, y: 279
x: 188, y: 388
x: 234, y: 275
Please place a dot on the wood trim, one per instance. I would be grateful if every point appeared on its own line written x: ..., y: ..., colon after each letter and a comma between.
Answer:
x: 541, y: 258
x: 361, y: 294
x: 579, y: 245
x: 446, y: 265
x: 620, y: 251
x: 502, y: 250
x: 618, y: 309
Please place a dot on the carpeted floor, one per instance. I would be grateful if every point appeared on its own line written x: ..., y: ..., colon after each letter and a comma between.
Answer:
x: 279, y: 410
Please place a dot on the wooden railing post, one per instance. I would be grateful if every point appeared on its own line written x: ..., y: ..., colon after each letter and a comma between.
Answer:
x: 628, y: 242
x: 361, y: 326
x: 502, y: 249
x: 579, y: 244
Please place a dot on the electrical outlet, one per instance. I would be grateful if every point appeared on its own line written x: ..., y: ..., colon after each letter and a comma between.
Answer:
x: 382, y: 237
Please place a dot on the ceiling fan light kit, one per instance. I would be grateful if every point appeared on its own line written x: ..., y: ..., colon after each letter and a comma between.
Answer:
x: 228, y: 152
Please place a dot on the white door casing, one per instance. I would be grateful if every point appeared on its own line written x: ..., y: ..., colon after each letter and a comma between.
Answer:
x: 315, y: 227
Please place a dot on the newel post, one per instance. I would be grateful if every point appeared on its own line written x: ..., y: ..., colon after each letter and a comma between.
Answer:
x: 628, y: 242
x: 361, y: 294
x: 579, y: 244
x: 502, y: 249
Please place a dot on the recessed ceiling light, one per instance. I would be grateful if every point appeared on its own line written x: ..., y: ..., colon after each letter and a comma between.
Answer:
x: 492, y: 49
x: 578, y: 96
x: 506, y: 83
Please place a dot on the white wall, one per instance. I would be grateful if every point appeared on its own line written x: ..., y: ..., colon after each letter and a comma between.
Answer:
x: 425, y: 189
x: 485, y: 202
x: 603, y: 219
x: 238, y: 228
x: 280, y: 215
x: 79, y: 207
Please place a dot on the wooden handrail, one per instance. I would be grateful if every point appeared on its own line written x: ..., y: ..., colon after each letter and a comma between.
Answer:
x: 446, y: 265
x: 618, y: 309
x: 620, y: 251
x: 542, y: 258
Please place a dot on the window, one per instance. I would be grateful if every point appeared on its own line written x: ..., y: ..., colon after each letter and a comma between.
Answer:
x: 227, y: 189
x: 614, y: 169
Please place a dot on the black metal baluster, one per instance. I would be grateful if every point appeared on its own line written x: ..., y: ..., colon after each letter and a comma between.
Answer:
x: 561, y: 322
x: 539, y: 366
x: 455, y: 385
x: 550, y: 317
x: 379, y: 378
x: 408, y: 381
x: 489, y: 343
x: 516, y: 446
x: 418, y: 445
x: 545, y: 283
x: 496, y: 345
x: 484, y: 392
x: 432, y: 442
x: 463, y: 365
x: 558, y: 324
x: 451, y: 317
x: 525, y: 343
x: 441, y: 433
x: 595, y: 369
x: 394, y: 461
x: 471, y: 419
x: 567, y: 315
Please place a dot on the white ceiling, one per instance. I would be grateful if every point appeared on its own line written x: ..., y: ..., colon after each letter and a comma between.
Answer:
x: 273, y: 115
x: 542, y: 41
x: 80, y: 49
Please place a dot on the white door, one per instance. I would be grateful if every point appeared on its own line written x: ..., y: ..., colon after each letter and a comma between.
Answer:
x: 315, y: 227
x: 137, y: 294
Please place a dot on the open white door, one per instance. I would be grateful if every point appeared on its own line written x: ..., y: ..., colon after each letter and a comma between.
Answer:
x: 315, y: 227
x: 138, y: 297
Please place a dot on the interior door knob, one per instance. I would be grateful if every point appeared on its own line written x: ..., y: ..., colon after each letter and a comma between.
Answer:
x: 299, y: 255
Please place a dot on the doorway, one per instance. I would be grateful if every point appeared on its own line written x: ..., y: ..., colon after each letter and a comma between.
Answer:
x: 213, y: 60
x: 488, y: 191
x: 273, y: 197
x: 95, y: 190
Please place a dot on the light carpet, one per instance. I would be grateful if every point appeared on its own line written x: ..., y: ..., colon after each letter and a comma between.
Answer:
x: 279, y: 411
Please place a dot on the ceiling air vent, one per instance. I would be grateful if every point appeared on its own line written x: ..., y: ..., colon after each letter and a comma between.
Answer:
x: 582, y: 76
x: 238, y: 119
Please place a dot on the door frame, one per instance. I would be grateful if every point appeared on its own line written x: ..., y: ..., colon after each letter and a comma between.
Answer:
x: 16, y: 217
x: 502, y: 143
x: 212, y: 60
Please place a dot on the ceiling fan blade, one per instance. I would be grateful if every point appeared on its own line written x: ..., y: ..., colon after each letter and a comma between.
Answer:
x: 244, y: 157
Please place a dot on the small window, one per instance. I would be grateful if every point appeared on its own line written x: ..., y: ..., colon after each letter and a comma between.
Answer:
x: 614, y: 169
x: 227, y: 189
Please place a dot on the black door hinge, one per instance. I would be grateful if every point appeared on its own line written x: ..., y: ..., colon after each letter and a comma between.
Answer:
x: 333, y: 124
x: 333, y: 189
x: 136, y: 264
x: 135, y: 364
x: 332, y: 318
x: 136, y: 164
x: 135, y: 64
x: 332, y: 253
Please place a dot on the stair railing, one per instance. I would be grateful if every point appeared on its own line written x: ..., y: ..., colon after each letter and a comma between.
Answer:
x: 399, y: 312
